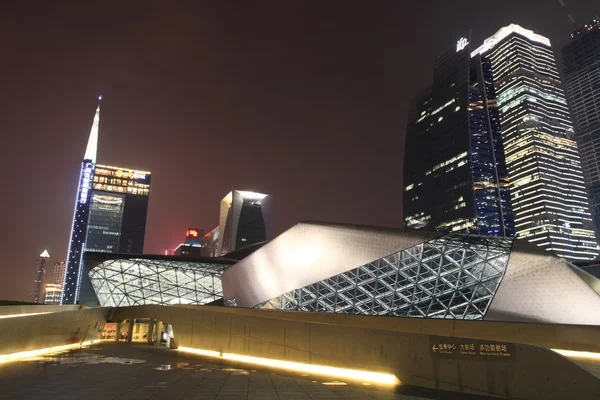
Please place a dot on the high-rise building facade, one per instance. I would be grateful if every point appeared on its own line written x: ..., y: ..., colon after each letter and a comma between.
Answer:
x: 74, y: 270
x: 110, y: 216
x: 241, y: 221
x: 546, y: 181
x: 582, y: 80
x: 38, y: 283
x: 54, y: 283
x: 454, y: 171
x: 57, y: 275
x: 119, y: 206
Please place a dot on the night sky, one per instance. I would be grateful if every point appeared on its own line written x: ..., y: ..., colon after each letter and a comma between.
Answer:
x: 304, y: 100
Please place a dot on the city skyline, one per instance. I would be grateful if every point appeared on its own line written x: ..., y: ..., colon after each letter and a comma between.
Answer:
x: 344, y: 159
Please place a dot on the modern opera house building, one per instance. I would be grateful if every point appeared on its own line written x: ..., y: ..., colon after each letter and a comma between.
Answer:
x: 334, y: 268
x: 121, y: 279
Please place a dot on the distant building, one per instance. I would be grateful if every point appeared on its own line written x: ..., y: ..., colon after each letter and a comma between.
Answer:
x: 210, y: 243
x: 241, y: 221
x: 38, y: 283
x: 582, y: 78
x: 57, y: 275
x: 454, y: 166
x: 110, y: 216
x: 52, y: 293
x: 54, y: 281
x: 192, y: 246
x: 548, y: 194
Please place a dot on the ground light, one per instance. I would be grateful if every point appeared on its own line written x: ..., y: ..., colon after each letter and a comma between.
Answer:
x: 33, y: 353
x: 365, y: 376
x: 578, y: 354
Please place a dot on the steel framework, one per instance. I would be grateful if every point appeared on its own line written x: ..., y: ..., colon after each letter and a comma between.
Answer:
x: 128, y: 282
x: 454, y: 276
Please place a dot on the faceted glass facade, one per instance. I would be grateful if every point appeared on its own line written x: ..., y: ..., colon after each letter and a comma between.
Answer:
x: 454, y: 166
x: 582, y: 80
x: 454, y: 276
x: 137, y: 281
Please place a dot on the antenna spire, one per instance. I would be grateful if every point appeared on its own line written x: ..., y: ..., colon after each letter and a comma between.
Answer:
x: 92, y: 146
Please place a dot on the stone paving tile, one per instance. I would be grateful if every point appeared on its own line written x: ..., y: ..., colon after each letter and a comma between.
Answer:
x: 137, y: 372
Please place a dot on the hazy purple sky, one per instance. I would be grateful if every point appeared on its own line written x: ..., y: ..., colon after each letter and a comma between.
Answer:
x: 305, y: 100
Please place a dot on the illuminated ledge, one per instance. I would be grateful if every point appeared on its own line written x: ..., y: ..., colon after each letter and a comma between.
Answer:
x: 578, y: 354
x: 23, y: 315
x: 39, y: 352
x: 364, y: 376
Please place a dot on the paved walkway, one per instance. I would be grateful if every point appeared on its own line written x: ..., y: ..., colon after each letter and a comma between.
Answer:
x: 132, y: 372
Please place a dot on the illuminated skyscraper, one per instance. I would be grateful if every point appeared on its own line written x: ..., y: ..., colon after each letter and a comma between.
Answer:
x: 242, y: 220
x: 547, y: 190
x: 54, y: 283
x: 81, y: 214
x: 38, y: 283
x: 582, y: 79
x: 110, y: 216
x: 454, y: 171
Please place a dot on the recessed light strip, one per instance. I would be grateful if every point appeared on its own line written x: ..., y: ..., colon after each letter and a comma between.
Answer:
x: 364, y: 376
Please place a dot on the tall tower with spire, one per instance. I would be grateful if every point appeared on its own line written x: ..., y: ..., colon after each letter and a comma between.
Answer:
x: 74, y: 268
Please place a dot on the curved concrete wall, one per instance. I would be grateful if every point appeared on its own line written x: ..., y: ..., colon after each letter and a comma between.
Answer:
x: 383, y: 346
x: 47, y: 330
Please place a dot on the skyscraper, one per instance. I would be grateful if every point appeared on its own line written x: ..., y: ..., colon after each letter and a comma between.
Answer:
x: 110, y: 216
x: 79, y: 226
x: 54, y: 283
x: 241, y: 221
x: 547, y: 190
x: 38, y: 283
x: 454, y: 171
x: 582, y: 78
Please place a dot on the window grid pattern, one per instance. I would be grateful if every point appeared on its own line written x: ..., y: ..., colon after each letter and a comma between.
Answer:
x: 454, y: 277
x: 134, y: 282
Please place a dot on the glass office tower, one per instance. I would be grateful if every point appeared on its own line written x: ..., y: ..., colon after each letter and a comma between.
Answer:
x: 454, y: 171
x: 582, y: 78
x: 110, y: 216
x: 117, y: 218
x: 547, y: 190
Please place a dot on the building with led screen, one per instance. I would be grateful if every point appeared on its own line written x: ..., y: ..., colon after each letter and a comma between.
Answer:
x: 582, y: 79
x: 117, y: 218
x: 454, y: 170
x: 134, y: 279
x: 111, y: 211
x: 242, y: 220
x: 335, y: 268
x: 548, y: 194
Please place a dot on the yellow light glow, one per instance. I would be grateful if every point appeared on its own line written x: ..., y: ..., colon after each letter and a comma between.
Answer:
x: 578, y: 354
x: 376, y: 377
x: 22, y: 315
x: 34, y: 353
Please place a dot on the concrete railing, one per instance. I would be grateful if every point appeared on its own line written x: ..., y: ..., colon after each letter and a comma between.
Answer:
x: 35, y: 309
x: 34, y: 332
x: 410, y: 350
